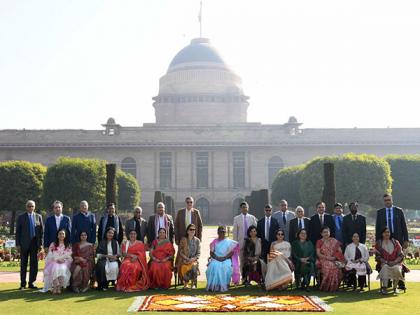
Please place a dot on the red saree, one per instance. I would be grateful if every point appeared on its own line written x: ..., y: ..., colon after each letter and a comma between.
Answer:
x: 133, y: 276
x: 160, y: 273
x: 331, y: 272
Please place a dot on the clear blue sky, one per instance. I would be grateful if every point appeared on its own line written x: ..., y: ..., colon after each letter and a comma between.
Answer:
x: 73, y: 64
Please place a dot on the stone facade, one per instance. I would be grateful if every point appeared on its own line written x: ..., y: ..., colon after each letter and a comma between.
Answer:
x: 201, y: 144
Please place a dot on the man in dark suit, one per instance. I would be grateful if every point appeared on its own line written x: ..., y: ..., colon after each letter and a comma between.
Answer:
x: 138, y: 224
x: 29, y: 229
x: 298, y: 223
x: 84, y: 221
x: 185, y: 217
x: 56, y: 222
x: 318, y: 221
x: 354, y: 223
x: 158, y: 221
x: 111, y: 219
x: 393, y: 218
x: 266, y: 231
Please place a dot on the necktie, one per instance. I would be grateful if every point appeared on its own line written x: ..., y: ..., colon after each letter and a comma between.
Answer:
x: 300, y: 224
x: 138, y: 228
x: 31, y: 226
x: 389, y: 220
x: 284, y: 219
x: 321, y: 219
x: 245, y: 225
x: 267, y: 229
x: 339, y: 222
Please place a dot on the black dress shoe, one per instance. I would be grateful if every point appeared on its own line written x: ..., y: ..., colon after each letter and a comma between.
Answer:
x: 33, y: 287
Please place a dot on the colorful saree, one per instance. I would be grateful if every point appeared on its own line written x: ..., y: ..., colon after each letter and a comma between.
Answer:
x: 330, y: 270
x: 220, y: 273
x: 133, y: 275
x: 160, y: 272
x: 82, y: 270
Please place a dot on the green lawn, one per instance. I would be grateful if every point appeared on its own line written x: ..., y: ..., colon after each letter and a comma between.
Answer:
x: 14, y: 266
x: 13, y: 301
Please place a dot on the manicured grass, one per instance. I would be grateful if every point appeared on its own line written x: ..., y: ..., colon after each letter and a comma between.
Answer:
x: 14, y: 266
x: 14, y: 301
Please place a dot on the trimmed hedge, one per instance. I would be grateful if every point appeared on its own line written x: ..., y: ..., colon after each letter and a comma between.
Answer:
x: 363, y: 177
x: 405, y: 171
x: 286, y: 185
x: 129, y: 192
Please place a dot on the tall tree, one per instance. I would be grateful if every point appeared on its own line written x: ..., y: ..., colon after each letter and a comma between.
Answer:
x: 111, y: 184
x: 19, y: 182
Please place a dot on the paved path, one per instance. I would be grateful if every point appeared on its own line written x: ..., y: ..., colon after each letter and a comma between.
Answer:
x: 208, y: 235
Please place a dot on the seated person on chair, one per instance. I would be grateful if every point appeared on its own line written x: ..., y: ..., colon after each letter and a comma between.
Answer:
x: 330, y: 261
x: 253, y: 267
x: 187, y: 258
x: 357, y: 257
x: 303, y: 254
x: 389, y: 258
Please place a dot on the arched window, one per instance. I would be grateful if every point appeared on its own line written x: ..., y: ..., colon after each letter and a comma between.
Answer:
x: 235, y: 206
x: 203, y: 205
x: 275, y: 164
x: 129, y: 165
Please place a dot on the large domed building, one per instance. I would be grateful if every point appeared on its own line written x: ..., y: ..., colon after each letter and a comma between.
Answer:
x: 201, y: 143
x: 200, y: 88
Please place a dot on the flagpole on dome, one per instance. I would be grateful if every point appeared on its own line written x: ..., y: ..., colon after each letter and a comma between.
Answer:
x: 200, y: 16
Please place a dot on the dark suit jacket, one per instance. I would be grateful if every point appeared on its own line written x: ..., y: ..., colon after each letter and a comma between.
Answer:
x: 131, y: 225
x: 117, y: 236
x: 294, y: 228
x: 350, y: 227
x: 180, y: 227
x: 151, y: 229
x: 315, y: 227
x: 274, y: 226
x: 22, y: 231
x: 400, y: 226
x: 50, y: 232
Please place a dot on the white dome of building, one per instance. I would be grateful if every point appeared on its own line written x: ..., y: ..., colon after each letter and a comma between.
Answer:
x: 200, y: 88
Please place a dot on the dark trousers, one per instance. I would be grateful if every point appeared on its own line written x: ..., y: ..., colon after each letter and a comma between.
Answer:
x: 32, y: 254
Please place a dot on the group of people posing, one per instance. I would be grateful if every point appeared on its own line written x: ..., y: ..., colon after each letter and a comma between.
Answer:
x: 267, y: 251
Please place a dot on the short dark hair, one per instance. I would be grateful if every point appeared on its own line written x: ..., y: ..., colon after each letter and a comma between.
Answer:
x: 318, y: 203
x: 110, y: 204
x: 244, y: 203
x: 387, y: 195
x: 338, y: 205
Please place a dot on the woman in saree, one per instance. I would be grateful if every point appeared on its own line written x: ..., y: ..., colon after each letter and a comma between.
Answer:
x: 389, y: 258
x: 107, y: 266
x: 187, y: 258
x: 303, y: 254
x: 357, y: 257
x: 57, y: 264
x: 279, y: 266
x: 161, y: 261
x: 133, y: 270
x: 223, y: 264
x: 254, y: 266
x: 330, y: 261
x: 83, y: 264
